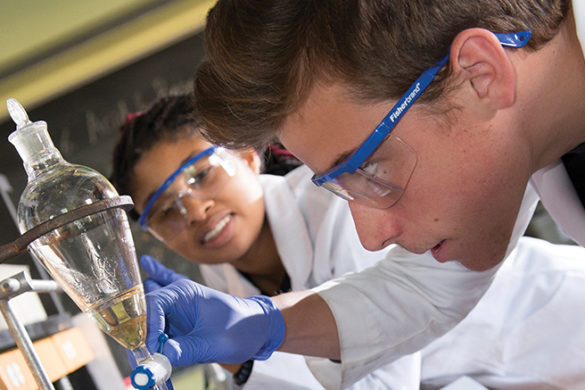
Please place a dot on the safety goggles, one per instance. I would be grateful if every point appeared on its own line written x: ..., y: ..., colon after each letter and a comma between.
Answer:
x: 199, y: 178
x: 377, y: 173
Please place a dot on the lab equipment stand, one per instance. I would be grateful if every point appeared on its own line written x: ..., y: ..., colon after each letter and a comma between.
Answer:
x: 10, y: 288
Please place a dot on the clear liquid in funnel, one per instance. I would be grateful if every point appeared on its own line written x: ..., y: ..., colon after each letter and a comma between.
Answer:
x: 123, y: 318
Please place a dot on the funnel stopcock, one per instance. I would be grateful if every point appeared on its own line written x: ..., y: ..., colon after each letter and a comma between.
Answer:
x: 17, y: 113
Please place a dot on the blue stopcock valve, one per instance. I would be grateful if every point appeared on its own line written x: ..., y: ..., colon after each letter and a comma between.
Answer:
x: 156, y: 370
x: 142, y: 378
x: 151, y: 372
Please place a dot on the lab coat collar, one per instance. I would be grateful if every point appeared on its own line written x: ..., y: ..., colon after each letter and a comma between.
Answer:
x: 289, y: 230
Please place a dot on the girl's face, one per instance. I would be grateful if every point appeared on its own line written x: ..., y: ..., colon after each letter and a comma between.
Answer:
x: 217, y: 230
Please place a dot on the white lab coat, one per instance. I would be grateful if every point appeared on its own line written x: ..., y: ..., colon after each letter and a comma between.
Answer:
x: 526, y: 332
x: 316, y: 239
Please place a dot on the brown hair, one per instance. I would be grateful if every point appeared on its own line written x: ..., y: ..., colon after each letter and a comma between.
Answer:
x: 264, y: 56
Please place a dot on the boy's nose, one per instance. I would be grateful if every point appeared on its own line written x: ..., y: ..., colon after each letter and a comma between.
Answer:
x: 377, y: 228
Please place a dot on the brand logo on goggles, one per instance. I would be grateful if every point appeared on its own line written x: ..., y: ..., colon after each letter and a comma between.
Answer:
x: 407, y: 100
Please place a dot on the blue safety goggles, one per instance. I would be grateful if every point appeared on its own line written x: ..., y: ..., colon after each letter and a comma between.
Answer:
x: 376, y: 185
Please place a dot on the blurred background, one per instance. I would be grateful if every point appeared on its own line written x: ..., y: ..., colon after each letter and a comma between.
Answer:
x: 81, y: 66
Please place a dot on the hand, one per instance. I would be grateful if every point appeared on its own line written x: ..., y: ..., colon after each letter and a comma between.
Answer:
x: 205, y: 325
x: 160, y: 276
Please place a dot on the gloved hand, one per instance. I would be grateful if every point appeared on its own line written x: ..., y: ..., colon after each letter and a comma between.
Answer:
x: 205, y: 325
x: 158, y: 275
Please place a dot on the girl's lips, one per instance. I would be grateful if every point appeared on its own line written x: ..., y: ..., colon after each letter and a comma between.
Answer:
x: 217, y: 231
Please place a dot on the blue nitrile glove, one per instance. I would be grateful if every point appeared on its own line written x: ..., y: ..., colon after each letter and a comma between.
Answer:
x: 158, y: 275
x: 205, y: 325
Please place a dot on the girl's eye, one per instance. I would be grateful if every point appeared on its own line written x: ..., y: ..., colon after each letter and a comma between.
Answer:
x: 203, y: 174
x: 167, y: 210
x: 165, y: 203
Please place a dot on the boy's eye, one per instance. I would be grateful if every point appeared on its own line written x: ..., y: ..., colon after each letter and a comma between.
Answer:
x: 369, y: 167
x: 379, y: 168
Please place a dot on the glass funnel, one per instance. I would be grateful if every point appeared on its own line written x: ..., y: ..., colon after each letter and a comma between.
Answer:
x: 92, y: 258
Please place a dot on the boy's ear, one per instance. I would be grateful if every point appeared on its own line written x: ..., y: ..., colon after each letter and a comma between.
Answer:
x: 252, y: 158
x: 481, y: 61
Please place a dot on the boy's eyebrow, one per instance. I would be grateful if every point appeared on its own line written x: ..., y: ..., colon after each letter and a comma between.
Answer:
x: 340, y: 158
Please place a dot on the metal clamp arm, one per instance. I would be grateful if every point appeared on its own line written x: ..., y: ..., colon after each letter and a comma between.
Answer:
x: 19, y: 245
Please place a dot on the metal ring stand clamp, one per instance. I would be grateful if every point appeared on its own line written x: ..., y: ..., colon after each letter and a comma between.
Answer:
x: 20, y: 245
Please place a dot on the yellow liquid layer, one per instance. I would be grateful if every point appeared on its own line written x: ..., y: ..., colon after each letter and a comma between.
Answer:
x: 123, y: 318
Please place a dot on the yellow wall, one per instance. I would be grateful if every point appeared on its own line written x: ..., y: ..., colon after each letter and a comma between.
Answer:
x: 29, y: 28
